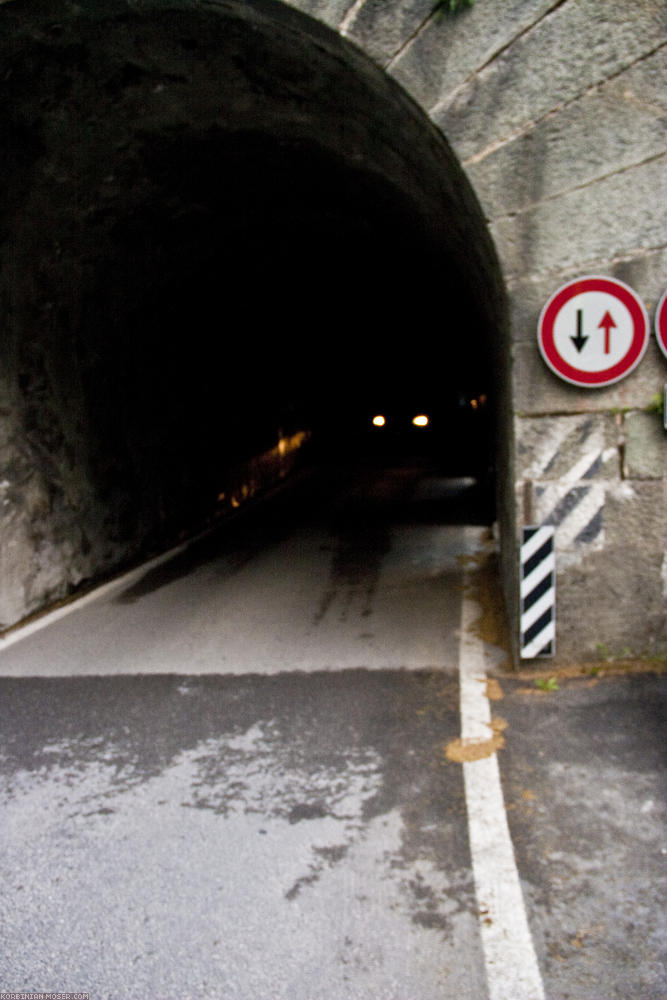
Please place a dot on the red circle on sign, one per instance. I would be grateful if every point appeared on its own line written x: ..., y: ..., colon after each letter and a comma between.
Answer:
x: 661, y: 324
x: 604, y: 376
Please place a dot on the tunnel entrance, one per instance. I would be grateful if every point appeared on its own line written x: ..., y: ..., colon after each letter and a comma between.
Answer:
x: 224, y: 232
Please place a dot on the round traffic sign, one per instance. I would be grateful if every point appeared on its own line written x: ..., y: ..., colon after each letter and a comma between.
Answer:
x: 593, y: 331
x: 661, y: 324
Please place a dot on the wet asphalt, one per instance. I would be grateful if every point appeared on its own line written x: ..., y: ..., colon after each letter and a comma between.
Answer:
x: 267, y: 811
x: 584, y: 774
x: 290, y: 836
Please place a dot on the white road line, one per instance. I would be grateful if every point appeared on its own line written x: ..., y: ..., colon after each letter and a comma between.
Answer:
x: 123, y: 580
x: 19, y: 632
x: 511, y: 964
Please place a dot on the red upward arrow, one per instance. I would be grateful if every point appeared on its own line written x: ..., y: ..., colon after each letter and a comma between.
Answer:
x: 606, y: 324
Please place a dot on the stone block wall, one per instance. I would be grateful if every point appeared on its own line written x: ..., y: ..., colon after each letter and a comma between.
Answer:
x: 563, y: 137
x: 558, y: 113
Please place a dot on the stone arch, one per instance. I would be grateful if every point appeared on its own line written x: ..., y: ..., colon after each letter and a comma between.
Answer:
x: 171, y: 169
x: 556, y: 112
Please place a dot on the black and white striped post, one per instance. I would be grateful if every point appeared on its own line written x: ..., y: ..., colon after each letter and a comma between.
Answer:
x: 538, y: 592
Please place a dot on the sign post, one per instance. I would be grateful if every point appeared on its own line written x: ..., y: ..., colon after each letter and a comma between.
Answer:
x: 593, y: 331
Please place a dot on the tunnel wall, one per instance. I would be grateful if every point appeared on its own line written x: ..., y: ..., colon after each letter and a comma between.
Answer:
x: 557, y: 111
x: 185, y: 200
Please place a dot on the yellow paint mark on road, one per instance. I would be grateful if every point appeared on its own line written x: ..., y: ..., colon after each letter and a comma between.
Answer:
x: 461, y: 751
x: 493, y: 690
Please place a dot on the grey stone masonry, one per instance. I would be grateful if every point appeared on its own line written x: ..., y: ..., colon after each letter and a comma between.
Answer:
x: 643, y: 446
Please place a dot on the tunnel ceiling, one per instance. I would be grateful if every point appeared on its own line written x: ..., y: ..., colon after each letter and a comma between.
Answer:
x: 214, y: 217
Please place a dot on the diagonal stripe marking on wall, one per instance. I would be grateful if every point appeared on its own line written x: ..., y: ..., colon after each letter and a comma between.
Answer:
x: 533, y: 579
x: 535, y: 612
x: 535, y: 647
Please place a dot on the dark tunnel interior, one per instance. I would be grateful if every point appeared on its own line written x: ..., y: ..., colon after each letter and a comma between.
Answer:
x: 222, y: 228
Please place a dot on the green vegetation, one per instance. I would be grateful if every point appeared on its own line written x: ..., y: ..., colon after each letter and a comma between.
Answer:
x: 657, y: 404
x: 605, y: 653
x: 627, y: 657
x: 451, y: 6
x: 547, y: 685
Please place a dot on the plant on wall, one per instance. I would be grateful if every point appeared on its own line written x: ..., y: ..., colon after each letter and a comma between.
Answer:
x: 451, y: 6
x: 657, y: 404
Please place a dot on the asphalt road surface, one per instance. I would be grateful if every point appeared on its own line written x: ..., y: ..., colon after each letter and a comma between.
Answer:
x: 229, y: 776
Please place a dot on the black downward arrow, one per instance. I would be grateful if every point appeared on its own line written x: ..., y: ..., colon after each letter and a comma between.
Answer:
x: 579, y: 341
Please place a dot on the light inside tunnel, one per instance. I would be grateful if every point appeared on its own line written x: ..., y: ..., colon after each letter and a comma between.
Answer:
x: 421, y: 420
x: 379, y: 421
